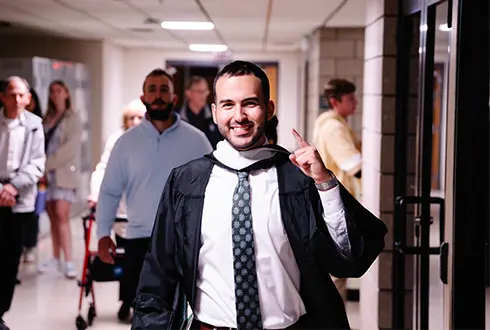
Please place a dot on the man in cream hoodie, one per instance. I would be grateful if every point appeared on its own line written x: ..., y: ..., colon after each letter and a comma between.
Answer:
x: 337, y: 144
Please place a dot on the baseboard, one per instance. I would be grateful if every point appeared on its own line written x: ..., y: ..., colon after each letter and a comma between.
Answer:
x: 353, y: 294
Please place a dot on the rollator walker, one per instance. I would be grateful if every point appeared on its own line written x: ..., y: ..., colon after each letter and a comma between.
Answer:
x: 94, y: 270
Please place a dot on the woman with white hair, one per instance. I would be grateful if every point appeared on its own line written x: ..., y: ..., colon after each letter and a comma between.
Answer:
x: 132, y: 115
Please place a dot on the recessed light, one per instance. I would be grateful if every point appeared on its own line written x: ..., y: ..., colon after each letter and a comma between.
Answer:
x: 170, y: 25
x: 208, y: 48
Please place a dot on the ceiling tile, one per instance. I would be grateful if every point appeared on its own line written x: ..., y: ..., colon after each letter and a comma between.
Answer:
x: 294, y: 11
x: 241, y: 23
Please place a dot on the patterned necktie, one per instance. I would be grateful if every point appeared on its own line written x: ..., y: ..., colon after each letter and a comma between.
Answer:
x: 246, y: 285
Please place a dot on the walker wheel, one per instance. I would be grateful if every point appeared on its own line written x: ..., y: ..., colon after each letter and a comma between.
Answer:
x: 91, y: 315
x: 81, y: 324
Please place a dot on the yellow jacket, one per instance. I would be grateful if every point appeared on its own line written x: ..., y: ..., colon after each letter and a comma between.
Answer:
x: 339, y: 148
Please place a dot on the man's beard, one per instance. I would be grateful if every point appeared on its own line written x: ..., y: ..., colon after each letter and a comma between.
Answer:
x: 160, y: 114
x: 259, y: 134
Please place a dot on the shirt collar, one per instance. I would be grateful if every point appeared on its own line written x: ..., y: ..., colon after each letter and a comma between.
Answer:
x: 147, y: 125
x: 206, y: 112
x: 21, y: 117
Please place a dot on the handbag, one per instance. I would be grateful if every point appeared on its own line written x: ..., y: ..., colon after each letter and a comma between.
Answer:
x: 101, y: 272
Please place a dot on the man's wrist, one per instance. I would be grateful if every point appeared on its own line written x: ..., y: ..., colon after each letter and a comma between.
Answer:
x: 328, y: 183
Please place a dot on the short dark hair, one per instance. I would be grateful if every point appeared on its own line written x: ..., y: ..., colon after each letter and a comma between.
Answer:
x: 243, y: 68
x: 336, y: 88
x: 3, y: 84
x: 37, y: 108
x: 158, y: 73
x: 271, y: 129
x: 193, y: 81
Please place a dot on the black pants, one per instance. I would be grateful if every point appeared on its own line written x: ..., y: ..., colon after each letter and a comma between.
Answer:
x: 135, y: 250
x: 31, y: 231
x: 121, y: 243
x: 11, y: 241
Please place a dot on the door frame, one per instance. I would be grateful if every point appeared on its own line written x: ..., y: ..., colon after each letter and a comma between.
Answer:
x: 467, y: 158
x: 421, y: 249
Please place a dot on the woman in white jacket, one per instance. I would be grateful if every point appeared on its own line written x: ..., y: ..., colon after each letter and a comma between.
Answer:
x: 132, y: 115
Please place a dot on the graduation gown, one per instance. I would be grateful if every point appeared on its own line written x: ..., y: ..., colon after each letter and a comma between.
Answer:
x: 171, y: 264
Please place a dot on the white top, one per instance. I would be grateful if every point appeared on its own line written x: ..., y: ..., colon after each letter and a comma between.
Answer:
x: 12, y: 136
x: 277, y: 271
x: 98, y: 173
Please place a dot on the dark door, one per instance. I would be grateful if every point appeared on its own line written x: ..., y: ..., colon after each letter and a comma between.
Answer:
x: 471, y: 166
x: 419, y: 209
x: 427, y: 57
x: 184, y: 71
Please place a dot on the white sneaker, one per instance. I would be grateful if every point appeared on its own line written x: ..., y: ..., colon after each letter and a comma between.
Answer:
x: 30, y: 255
x: 70, y: 271
x: 50, y: 266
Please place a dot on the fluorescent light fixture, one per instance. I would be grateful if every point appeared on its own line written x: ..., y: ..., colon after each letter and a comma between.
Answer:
x: 444, y: 27
x: 187, y: 25
x: 208, y: 48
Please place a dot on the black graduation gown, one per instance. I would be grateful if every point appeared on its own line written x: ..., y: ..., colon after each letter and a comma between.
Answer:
x: 170, y: 266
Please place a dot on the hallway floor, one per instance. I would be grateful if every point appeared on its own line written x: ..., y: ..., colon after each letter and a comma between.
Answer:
x: 50, y: 301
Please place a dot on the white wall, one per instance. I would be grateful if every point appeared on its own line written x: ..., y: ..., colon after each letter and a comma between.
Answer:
x: 139, y: 62
x: 113, y: 69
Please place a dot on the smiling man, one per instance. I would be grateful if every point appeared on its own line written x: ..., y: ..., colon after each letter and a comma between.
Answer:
x: 250, y: 232
x: 139, y: 165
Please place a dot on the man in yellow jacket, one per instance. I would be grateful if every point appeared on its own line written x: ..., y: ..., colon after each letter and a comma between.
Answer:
x: 337, y: 144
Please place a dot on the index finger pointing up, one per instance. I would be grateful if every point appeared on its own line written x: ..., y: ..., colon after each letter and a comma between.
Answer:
x: 299, y: 139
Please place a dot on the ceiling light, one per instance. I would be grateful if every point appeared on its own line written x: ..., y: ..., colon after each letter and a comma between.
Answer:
x: 444, y: 27
x: 208, y: 48
x: 187, y: 25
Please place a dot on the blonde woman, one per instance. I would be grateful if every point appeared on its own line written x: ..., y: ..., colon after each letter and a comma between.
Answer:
x: 63, y: 130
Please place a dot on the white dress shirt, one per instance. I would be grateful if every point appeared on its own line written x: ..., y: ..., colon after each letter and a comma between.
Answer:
x: 277, y: 272
x: 12, y: 138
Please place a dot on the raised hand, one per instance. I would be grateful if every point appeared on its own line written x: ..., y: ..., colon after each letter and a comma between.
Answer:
x: 308, y: 160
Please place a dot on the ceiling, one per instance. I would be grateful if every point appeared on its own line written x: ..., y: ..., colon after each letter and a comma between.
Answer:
x: 251, y: 25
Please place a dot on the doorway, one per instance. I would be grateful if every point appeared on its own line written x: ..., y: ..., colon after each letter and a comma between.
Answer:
x: 435, y: 230
x: 183, y: 70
